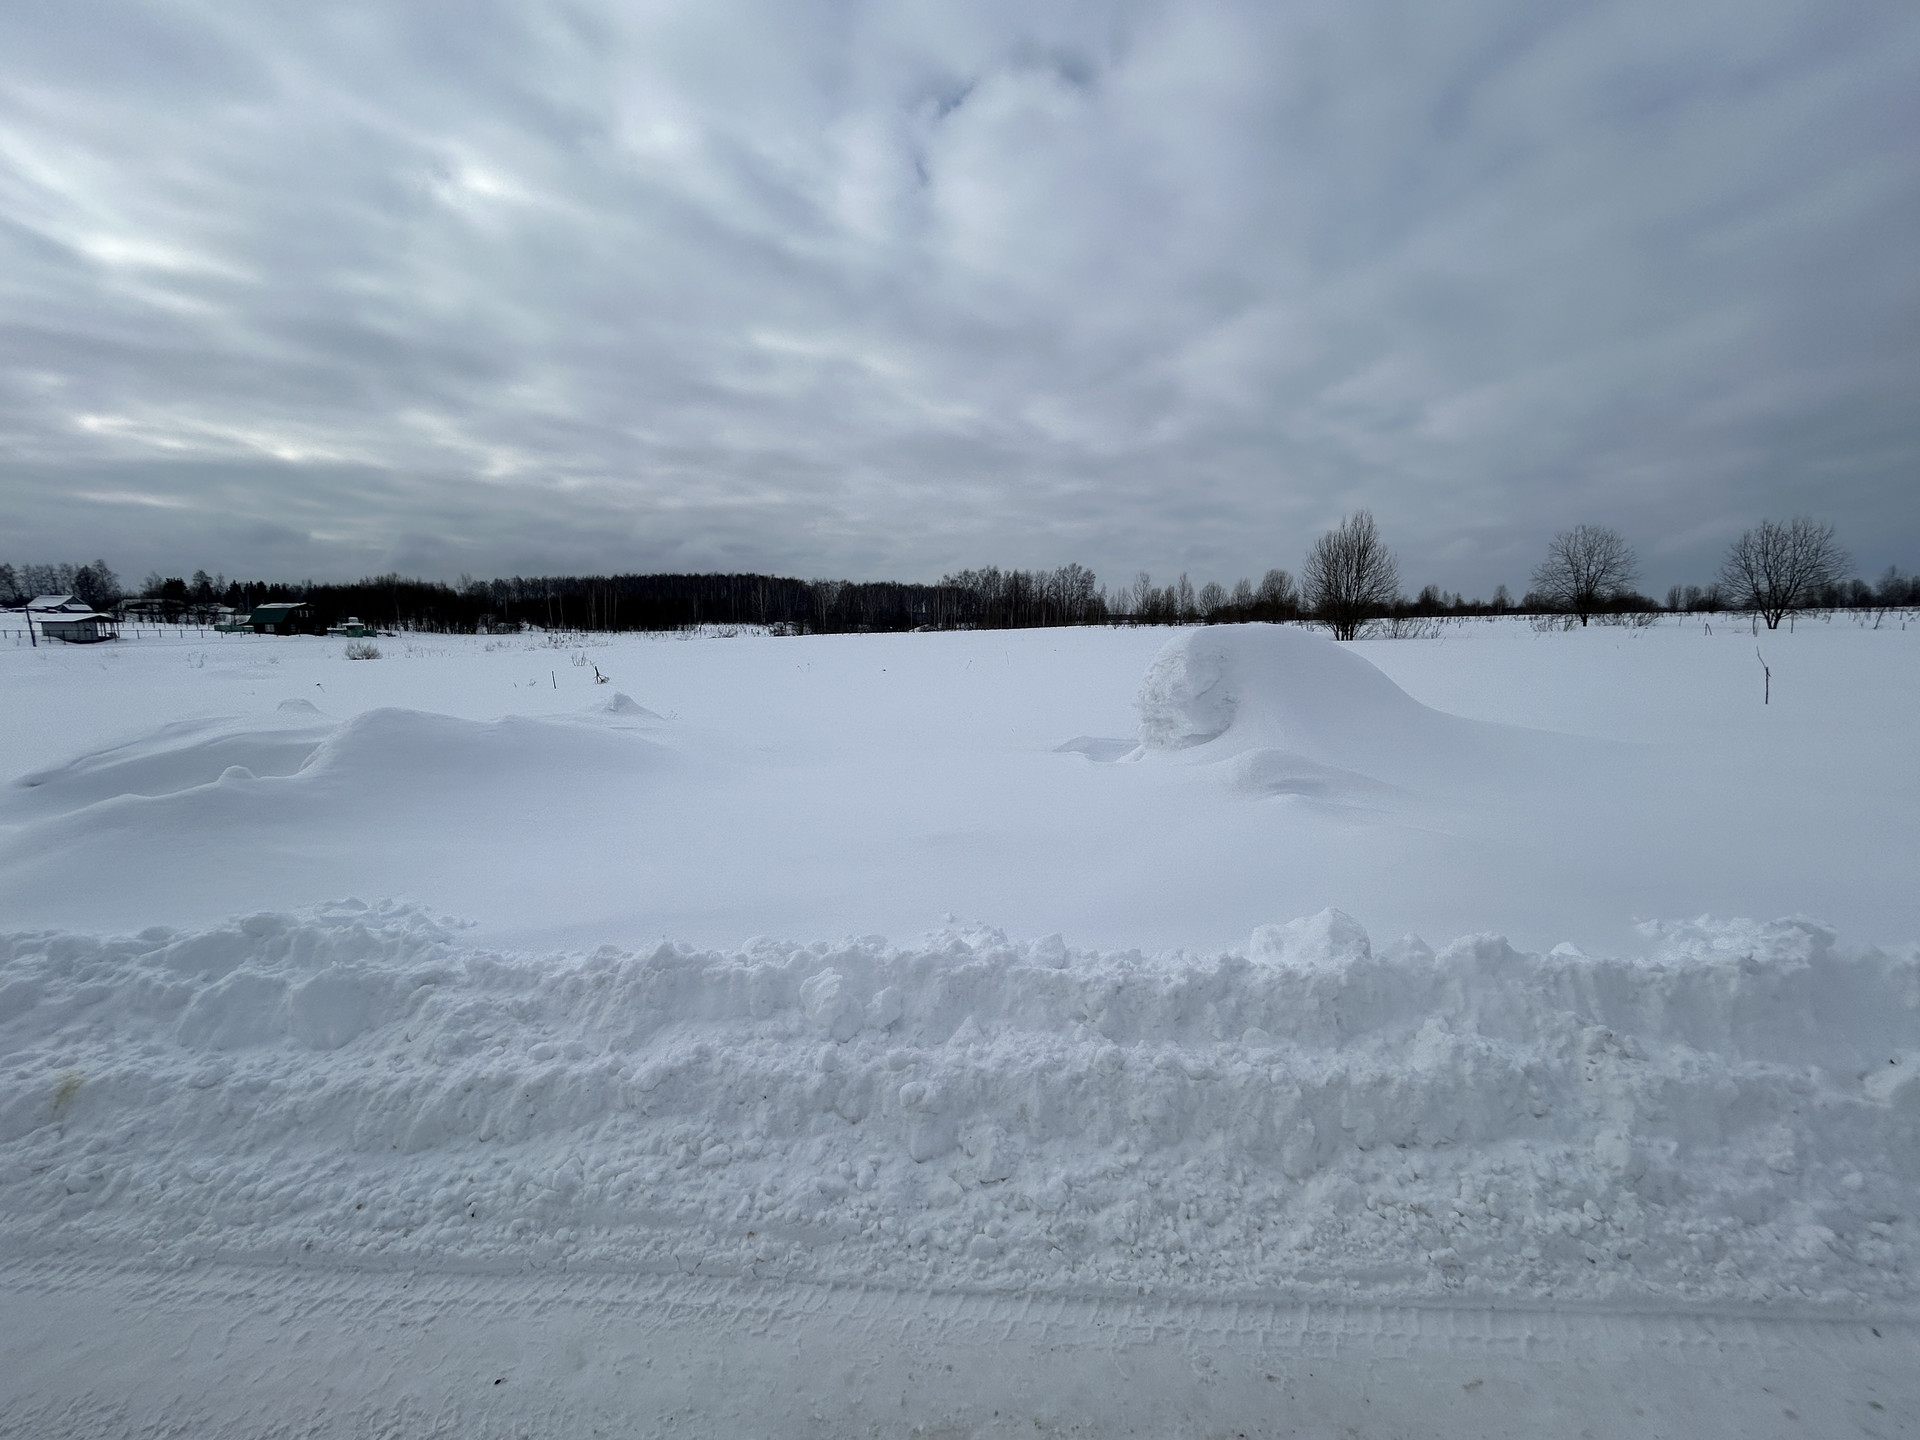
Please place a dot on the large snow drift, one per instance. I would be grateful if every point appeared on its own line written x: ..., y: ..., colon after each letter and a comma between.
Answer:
x: 1277, y: 684
x: 1293, y: 713
x: 1736, y: 1118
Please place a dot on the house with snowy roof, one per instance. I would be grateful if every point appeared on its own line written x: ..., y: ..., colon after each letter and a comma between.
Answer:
x: 62, y: 617
x: 281, y: 617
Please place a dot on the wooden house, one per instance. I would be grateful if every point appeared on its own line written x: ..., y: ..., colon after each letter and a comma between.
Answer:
x: 61, y: 617
x: 281, y: 617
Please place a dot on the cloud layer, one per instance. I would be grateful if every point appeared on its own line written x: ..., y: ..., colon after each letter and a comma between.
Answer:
x: 888, y: 290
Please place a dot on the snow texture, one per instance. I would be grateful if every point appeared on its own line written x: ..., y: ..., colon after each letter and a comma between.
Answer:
x: 1735, y: 1118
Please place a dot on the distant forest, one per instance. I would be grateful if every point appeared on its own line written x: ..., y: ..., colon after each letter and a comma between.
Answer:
x: 987, y: 599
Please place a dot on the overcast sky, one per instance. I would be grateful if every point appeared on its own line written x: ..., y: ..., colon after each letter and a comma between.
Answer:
x: 881, y: 291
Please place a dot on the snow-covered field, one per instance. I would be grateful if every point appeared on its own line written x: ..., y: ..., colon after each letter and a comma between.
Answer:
x: 1495, y: 1033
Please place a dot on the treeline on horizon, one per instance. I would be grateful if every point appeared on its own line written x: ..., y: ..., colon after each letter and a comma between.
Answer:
x: 985, y: 599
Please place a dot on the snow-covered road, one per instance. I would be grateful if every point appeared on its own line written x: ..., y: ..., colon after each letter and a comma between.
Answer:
x: 262, y: 1353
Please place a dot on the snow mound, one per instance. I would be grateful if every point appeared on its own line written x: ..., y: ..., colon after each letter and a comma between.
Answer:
x: 1332, y: 937
x: 1291, y: 686
x: 1733, y: 1117
x: 1301, y: 714
x: 622, y: 704
x: 423, y: 751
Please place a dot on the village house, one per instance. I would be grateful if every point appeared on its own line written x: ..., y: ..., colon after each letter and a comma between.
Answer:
x: 62, y: 617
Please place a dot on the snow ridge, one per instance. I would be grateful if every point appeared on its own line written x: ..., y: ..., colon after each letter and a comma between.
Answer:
x: 1733, y: 1117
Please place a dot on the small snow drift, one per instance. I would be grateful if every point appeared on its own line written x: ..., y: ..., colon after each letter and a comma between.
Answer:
x: 1300, y: 714
x: 623, y: 704
x: 1100, y: 750
x: 420, y: 751
x: 175, y: 758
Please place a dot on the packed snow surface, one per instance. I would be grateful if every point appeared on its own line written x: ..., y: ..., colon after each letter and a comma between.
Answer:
x: 1155, y: 1026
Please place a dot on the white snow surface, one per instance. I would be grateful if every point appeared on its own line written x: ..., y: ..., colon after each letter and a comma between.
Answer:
x: 1559, y: 787
x: 1171, y: 1058
x: 1733, y: 1119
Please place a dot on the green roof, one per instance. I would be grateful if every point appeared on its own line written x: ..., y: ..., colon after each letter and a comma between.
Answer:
x: 276, y: 612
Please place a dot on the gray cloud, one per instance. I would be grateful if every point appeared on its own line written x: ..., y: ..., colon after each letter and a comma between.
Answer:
x: 837, y: 289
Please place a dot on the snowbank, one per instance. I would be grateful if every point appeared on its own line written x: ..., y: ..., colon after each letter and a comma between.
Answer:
x: 1735, y: 1117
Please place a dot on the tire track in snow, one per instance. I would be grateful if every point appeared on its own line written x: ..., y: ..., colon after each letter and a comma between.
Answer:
x: 229, y: 1350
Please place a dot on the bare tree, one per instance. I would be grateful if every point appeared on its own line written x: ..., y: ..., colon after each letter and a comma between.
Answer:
x: 1278, y: 597
x: 1775, y: 568
x: 97, y: 585
x: 1350, y: 576
x: 1586, y: 567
